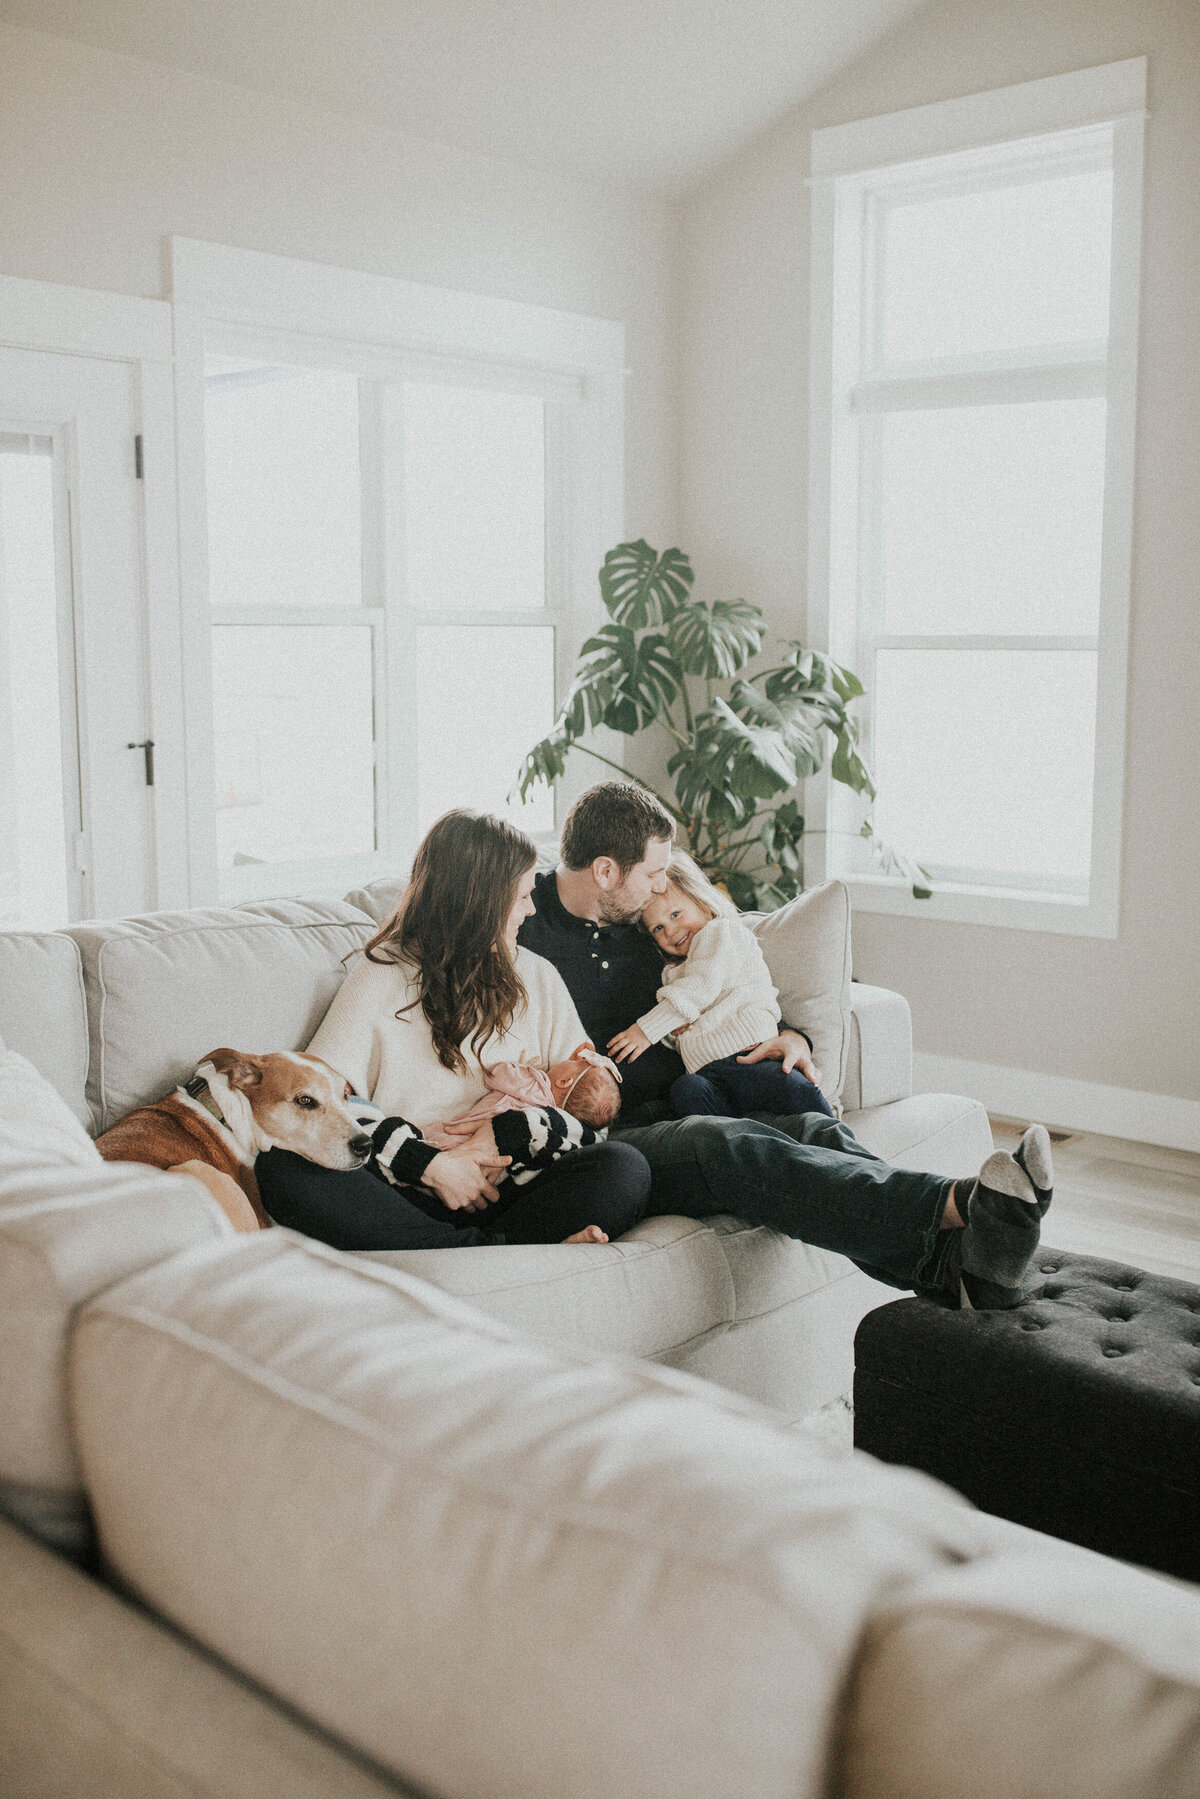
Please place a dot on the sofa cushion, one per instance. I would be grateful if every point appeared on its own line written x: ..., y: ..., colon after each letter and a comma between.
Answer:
x: 165, y: 989
x: 42, y: 1010
x: 1064, y: 1675
x: 36, y: 1123
x: 378, y: 899
x: 663, y: 1286
x: 492, y: 1566
x: 99, y: 1701
x: 807, y: 949
x: 66, y: 1231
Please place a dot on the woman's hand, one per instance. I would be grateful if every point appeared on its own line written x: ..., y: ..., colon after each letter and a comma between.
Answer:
x: 628, y: 1045
x: 463, y: 1178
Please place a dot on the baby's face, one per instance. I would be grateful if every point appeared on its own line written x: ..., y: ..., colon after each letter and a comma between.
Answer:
x: 673, y: 919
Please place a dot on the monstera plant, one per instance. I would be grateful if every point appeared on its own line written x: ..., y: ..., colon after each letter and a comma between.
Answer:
x: 740, y: 742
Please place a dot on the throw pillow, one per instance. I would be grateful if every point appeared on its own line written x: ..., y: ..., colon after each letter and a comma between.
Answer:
x: 36, y: 1123
x: 807, y: 948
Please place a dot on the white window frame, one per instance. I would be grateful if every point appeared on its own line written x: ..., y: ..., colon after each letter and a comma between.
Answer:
x: 857, y: 170
x: 246, y: 303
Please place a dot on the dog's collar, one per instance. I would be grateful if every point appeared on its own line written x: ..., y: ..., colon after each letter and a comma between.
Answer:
x: 198, y: 1089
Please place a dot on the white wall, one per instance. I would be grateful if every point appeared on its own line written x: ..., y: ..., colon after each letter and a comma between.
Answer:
x: 102, y: 157
x: 1125, y: 1014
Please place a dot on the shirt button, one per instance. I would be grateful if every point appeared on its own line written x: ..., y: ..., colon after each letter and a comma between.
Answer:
x: 604, y: 964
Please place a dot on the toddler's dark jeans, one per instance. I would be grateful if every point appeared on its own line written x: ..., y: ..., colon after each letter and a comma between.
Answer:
x: 732, y: 1089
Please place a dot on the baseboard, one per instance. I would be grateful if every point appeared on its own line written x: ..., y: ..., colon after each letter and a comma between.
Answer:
x: 1072, y: 1105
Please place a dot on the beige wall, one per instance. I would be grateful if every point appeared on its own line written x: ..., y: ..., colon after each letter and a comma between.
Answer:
x: 102, y: 157
x: 1124, y: 1013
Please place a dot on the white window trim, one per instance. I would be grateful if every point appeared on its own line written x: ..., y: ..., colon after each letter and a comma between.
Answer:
x: 1114, y: 96
x: 249, y: 302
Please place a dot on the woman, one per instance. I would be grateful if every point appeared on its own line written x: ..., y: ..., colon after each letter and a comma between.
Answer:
x: 442, y: 992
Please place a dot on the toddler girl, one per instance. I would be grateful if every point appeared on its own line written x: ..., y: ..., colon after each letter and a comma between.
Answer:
x: 717, y: 1001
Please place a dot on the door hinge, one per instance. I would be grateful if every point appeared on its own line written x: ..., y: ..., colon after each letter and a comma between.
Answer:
x: 139, y: 467
x: 80, y: 848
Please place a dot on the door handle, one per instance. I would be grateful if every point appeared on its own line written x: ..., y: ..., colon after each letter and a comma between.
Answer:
x: 147, y: 748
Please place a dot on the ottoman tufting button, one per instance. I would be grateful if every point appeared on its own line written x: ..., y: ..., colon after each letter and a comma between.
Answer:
x: 1111, y: 1351
x: 1049, y: 1267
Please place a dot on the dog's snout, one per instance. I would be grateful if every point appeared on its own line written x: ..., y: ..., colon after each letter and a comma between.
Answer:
x: 361, y: 1146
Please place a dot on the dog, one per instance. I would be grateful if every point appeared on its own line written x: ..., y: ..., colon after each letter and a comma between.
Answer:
x: 235, y: 1106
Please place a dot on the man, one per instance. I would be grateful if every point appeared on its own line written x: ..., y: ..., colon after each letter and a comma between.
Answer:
x: 807, y: 1176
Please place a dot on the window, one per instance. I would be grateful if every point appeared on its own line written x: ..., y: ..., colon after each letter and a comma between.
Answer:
x: 975, y: 281
x: 400, y: 554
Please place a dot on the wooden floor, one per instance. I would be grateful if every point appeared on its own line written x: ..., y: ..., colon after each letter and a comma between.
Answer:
x: 1130, y: 1202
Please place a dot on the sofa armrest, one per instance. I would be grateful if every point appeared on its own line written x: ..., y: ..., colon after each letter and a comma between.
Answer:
x: 879, y: 1066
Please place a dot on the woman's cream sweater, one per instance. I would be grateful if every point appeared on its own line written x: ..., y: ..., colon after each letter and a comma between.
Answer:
x: 392, y: 1060
x: 721, y: 992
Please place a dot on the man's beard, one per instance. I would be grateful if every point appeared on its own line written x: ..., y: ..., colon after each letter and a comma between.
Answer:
x: 615, y: 908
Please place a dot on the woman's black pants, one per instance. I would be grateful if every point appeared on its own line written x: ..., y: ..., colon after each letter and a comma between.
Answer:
x: 605, y: 1183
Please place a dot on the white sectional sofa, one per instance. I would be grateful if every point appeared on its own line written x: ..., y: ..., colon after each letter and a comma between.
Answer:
x: 426, y: 1524
x: 115, y: 1013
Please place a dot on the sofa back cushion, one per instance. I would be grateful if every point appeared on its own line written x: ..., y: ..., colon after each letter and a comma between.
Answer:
x: 1051, y: 1671
x: 42, y: 1010
x: 807, y: 949
x: 165, y: 989
x: 69, y: 1225
x: 491, y: 1565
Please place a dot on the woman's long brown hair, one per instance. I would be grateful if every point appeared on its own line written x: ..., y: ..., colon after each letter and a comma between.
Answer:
x: 450, y: 928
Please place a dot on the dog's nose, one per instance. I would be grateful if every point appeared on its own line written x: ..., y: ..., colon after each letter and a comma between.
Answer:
x: 361, y: 1146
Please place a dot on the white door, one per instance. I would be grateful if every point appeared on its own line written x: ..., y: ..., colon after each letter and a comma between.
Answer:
x: 76, y: 814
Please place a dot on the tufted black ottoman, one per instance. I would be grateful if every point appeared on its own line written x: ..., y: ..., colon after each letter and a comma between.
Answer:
x: 1077, y: 1413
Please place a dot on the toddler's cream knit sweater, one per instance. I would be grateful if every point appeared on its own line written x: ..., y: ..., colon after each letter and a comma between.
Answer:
x: 721, y: 991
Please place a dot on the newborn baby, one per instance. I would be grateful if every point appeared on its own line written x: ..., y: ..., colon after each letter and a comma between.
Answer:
x: 540, y: 1114
x: 585, y: 1085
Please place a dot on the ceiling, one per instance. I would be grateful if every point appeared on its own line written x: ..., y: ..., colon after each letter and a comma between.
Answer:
x: 651, y: 92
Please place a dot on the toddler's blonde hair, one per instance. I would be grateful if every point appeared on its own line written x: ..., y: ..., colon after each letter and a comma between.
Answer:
x: 683, y: 873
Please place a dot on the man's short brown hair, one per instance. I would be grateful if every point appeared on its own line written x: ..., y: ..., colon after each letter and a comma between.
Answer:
x: 617, y: 819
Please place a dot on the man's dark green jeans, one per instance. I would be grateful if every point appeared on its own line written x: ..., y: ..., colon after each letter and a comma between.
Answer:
x: 807, y: 1176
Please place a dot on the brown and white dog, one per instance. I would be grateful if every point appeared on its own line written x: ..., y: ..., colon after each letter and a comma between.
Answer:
x: 235, y: 1106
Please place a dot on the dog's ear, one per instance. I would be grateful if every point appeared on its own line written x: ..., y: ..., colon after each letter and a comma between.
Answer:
x: 240, y: 1070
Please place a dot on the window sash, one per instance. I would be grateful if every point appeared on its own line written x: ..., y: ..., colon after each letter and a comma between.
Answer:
x: 394, y: 622
x: 872, y: 164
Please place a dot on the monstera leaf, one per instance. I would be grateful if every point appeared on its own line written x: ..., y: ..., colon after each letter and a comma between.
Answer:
x: 639, y: 587
x: 758, y: 763
x: 641, y: 674
x: 791, y: 717
x: 848, y: 766
x: 716, y: 641
x: 704, y: 775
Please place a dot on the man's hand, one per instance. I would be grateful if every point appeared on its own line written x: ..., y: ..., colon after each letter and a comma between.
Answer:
x: 790, y: 1048
x: 628, y: 1045
x: 464, y: 1178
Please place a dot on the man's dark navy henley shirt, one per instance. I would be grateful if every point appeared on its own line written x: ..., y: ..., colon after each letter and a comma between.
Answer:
x: 613, y: 973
